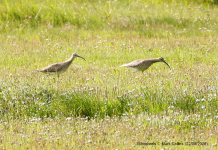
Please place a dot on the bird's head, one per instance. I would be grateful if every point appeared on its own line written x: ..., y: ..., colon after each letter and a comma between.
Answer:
x: 76, y: 55
x: 162, y: 60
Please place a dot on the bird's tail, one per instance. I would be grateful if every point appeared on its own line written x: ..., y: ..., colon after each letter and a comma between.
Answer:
x: 132, y: 68
x: 124, y: 65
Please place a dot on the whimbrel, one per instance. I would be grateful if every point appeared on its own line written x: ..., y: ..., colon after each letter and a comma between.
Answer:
x: 58, y: 68
x: 143, y: 64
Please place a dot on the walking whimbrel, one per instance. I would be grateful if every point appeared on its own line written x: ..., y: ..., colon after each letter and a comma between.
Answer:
x: 143, y: 64
x: 58, y: 68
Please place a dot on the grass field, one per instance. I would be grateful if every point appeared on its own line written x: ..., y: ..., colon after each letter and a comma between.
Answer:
x: 96, y: 104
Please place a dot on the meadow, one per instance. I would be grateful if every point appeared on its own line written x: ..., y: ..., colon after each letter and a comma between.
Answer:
x: 96, y: 104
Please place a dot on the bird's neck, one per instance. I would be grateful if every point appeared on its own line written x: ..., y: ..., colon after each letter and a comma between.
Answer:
x: 155, y: 60
x: 71, y: 59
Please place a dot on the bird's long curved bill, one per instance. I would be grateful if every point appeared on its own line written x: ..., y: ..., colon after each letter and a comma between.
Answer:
x: 82, y: 57
x: 166, y: 64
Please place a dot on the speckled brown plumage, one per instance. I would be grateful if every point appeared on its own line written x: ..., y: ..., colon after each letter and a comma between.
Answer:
x: 143, y: 64
x: 58, y: 68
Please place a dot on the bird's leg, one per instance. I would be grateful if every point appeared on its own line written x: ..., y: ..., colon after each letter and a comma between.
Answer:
x: 57, y: 76
x: 57, y: 80
x: 146, y: 73
x: 141, y: 79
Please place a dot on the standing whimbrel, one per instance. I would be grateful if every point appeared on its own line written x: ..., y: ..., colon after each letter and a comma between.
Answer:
x: 58, y: 68
x: 143, y: 64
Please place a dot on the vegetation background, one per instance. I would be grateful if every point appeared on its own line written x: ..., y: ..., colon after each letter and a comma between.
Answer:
x: 97, y: 104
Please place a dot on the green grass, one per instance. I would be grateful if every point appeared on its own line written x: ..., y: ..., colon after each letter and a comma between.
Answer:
x: 112, y: 105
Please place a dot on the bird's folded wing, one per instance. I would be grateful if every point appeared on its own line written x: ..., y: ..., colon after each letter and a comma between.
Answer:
x: 51, y: 68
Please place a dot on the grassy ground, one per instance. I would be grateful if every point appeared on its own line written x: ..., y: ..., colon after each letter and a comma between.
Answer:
x: 110, y: 133
x: 97, y: 104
